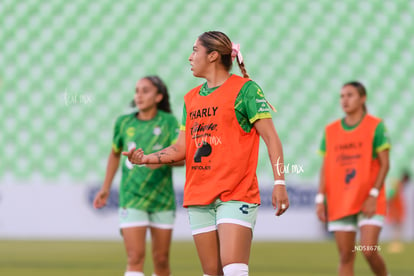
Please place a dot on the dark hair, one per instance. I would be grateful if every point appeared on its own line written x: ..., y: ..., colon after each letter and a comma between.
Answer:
x: 360, y: 88
x: 220, y: 42
x: 164, y: 105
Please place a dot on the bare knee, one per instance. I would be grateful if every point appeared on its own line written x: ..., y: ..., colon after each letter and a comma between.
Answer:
x: 346, y: 257
x: 161, y: 260
x: 135, y: 258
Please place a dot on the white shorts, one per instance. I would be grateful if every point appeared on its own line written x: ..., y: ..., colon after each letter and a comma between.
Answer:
x: 353, y: 222
x: 205, y: 218
x: 129, y: 217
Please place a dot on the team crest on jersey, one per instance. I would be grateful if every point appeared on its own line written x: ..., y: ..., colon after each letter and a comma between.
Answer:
x: 157, y: 131
x: 130, y: 131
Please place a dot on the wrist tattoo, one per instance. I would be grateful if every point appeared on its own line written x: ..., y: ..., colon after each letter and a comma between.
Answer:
x: 159, y: 157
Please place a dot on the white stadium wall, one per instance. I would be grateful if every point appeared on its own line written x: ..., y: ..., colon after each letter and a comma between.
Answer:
x: 66, y: 212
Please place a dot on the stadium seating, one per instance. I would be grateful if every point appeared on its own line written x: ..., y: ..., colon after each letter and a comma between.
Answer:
x: 68, y: 69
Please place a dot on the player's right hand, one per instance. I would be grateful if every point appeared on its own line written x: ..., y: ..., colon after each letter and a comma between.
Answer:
x: 280, y: 199
x: 100, y: 199
x: 134, y: 156
x: 321, y: 212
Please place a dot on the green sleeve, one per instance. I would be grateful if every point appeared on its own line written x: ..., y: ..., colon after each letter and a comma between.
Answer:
x: 381, y: 139
x: 322, y: 148
x: 251, y: 103
x: 183, y: 118
x: 117, y: 142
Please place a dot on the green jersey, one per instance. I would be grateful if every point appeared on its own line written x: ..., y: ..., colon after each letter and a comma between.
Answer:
x: 381, y: 140
x: 250, y: 105
x: 141, y: 187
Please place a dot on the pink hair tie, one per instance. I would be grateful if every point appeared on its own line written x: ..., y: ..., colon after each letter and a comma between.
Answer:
x: 235, y: 51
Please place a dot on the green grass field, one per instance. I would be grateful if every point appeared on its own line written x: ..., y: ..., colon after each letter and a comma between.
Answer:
x: 61, y: 258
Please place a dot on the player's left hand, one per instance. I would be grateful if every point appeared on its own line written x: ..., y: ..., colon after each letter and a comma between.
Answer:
x: 135, y: 156
x: 280, y: 200
x: 369, y: 207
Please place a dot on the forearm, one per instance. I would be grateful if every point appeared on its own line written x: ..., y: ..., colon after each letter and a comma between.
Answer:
x: 383, y: 158
x: 382, y: 174
x: 178, y: 164
x: 275, y: 152
x: 267, y: 131
x: 111, y: 169
x: 269, y: 135
x: 156, y: 166
x: 321, y: 188
x: 169, y: 155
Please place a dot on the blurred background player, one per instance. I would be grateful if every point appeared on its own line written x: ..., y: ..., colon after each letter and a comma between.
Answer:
x: 147, y: 199
x: 356, y: 162
x: 396, y: 211
x: 223, y: 120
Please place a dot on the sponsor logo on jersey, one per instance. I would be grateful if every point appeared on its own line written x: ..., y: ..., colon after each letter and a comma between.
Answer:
x: 350, y: 174
x: 261, y: 109
x: 203, y: 151
x: 204, y: 112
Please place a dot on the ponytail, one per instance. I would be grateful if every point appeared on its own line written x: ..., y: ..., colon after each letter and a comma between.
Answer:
x: 243, y: 70
x: 236, y: 53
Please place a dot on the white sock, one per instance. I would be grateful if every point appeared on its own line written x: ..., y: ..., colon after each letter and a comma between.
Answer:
x: 237, y: 269
x: 134, y: 273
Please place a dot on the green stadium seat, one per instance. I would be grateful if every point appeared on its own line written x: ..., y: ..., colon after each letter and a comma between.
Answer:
x: 300, y: 52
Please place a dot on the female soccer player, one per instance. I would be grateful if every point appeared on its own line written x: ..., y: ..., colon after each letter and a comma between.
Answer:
x: 219, y: 139
x: 356, y: 162
x: 146, y: 193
